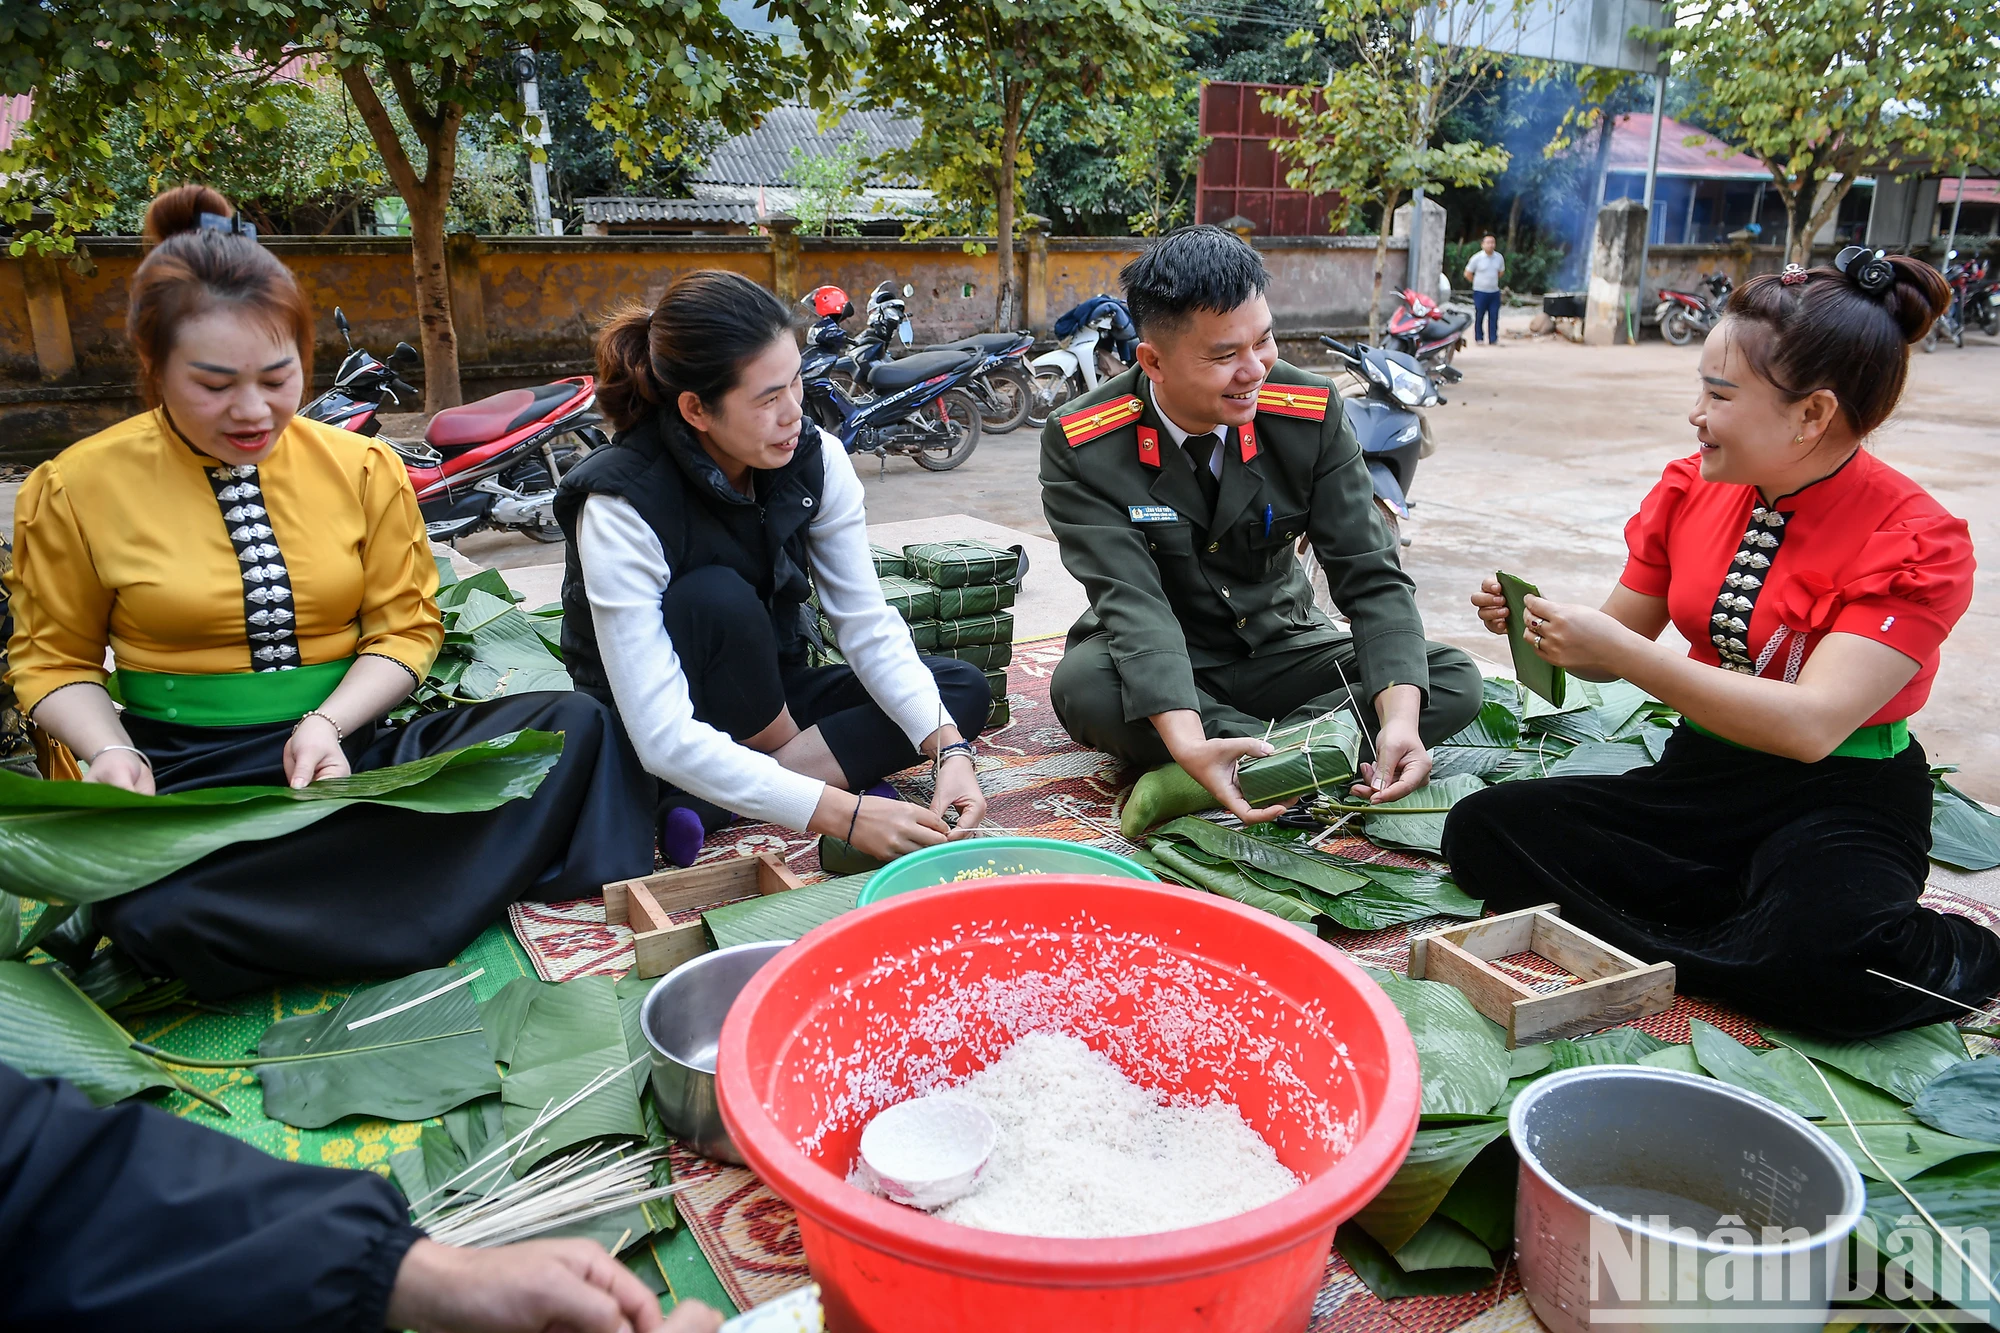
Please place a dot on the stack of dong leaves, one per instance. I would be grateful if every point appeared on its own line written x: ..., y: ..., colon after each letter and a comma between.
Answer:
x: 954, y: 597
x: 1913, y: 1107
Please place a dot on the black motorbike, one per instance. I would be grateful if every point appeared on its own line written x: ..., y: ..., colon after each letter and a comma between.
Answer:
x: 1392, y: 431
x: 919, y: 408
x: 1002, y: 386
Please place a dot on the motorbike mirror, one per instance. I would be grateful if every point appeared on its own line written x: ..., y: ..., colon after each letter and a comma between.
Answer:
x: 909, y: 291
x: 340, y: 322
x: 404, y: 354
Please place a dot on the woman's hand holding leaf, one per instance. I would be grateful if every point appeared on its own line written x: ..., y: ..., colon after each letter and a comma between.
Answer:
x: 1491, y: 604
x: 1576, y: 638
x: 527, y: 1288
x: 314, y: 753
x: 122, y: 769
x: 958, y: 789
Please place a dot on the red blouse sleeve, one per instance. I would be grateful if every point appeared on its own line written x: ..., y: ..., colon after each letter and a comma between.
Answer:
x: 1647, y: 568
x: 1909, y: 585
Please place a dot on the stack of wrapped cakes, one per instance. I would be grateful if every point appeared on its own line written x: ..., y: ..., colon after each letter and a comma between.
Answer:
x: 954, y: 597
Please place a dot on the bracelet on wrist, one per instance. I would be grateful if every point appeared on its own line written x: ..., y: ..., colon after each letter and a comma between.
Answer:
x: 338, y: 734
x: 128, y: 749
x: 852, y: 820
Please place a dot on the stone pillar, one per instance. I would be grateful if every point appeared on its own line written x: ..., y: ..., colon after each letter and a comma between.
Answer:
x: 785, y: 247
x: 1035, y: 287
x: 48, y: 316
x: 1610, y: 317
x: 1431, y: 262
x: 468, y: 296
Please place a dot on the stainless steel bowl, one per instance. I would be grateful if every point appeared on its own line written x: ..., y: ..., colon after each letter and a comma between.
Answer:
x: 682, y: 1019
x: 1742, y: 1207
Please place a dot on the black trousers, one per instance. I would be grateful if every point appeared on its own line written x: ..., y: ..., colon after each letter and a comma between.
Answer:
x: 739, y: 681
x: 371, y: 890
x: 1770, y: 884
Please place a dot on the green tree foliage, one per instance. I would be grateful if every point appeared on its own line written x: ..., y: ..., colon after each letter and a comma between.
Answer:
x: 1127, y: 166
x: 583, y: 158
x: 828, y: 188
x: 193, y: 69
x: 977, y: 72
x: 1825, y: 91
x: 1366, y: 135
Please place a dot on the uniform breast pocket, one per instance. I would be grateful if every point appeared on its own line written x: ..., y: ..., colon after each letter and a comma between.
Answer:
x: 1168, y: 538
x: 1284, y: 529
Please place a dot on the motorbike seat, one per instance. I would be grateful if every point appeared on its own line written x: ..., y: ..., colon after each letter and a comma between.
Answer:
x: 487, y: 419
x: 986, y: 343
x: 1446, y: 327
x: 895, y: 376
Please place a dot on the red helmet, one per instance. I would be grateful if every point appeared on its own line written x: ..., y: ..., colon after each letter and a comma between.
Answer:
x: 830, y: 301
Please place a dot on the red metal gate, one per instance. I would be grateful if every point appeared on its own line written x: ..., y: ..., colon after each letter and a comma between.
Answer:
x: 1239, y: 173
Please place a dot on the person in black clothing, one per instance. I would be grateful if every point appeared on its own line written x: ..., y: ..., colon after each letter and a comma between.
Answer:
x: 128, y: 1218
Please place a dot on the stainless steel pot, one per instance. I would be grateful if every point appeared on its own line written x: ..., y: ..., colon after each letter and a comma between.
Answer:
x: 682, y: 1019
x: 1743, y: 1208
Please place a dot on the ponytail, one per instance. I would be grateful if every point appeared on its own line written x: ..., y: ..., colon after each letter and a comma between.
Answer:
x: 707, y: 324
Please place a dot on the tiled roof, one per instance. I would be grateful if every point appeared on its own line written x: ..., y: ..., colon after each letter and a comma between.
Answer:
x: 1631, y: 142
x: 764, y: 155
x: 618, y: 208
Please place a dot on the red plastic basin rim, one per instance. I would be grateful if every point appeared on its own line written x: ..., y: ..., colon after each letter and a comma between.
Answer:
x: 1055, y: 1262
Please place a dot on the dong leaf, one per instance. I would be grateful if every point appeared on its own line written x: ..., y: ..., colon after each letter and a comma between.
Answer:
x: 1964, y: 1198
x: 1482, y: 1198
x: 1964, y: 834
x: 783, y: 916
x: 1214, y: 840
x: 412, y: 1064
x: 1442, y: 1243
x: 1389, y: 1280
x: 1729, y: 1060
x: 1389, y: 900
x: 1964, y: 1100
x: 1901, y: 1063
x: 50, y: 1029
x: 1619, y: 1046
x: 1231, y: 883
x: 508, y: 654
x: 1681, y: 1059
x: 1601, y: 759
x: 1903, y: 1145
x: 1419, y: 832
x: 1462, y: 1053
x: 1437, y: 1157
x: 574, y: 1032
x: 83, y: 842
x: 1315, y: 757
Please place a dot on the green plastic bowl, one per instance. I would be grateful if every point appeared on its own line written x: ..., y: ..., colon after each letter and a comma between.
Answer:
x: 1000, y: 856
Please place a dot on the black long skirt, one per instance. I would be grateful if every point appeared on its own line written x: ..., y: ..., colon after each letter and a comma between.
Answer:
x: 370, y: 890
x: 1771, y: 885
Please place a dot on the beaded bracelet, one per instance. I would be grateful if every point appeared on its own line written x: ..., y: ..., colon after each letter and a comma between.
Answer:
x: 338, y: 734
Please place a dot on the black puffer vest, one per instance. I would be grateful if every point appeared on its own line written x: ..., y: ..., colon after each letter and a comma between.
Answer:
x: 660, y: 470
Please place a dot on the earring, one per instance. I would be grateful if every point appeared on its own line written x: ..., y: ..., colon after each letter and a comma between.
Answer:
x: 1799, y: 438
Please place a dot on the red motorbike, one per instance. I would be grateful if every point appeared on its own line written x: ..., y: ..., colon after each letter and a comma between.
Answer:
x: 1423, y: 329
x: 490, y: 464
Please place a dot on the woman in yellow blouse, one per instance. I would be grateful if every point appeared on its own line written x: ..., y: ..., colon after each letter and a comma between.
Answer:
x: 265, y: 587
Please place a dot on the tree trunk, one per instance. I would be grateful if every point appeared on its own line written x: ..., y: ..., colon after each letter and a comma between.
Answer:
x: 1827, y: 211
x: 1798, y: 217
x: 1381, y: 263
x: 1003, y: 207
x: 439, y: 340
x: 1513, y: 222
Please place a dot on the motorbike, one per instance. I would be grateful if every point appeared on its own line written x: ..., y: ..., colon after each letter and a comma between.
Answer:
x: 1685, y: 316
x: 1001, y: 387
x: 1098, y: 338
x: 1425, y: 330
x: 490, y: 464
x: 920, y: 408
x: 1973, y: 297
x: 1981, y: 299
x: 1393, y: 433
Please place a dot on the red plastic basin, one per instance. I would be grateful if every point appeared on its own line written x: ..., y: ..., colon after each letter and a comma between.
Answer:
x: 1184, y: 991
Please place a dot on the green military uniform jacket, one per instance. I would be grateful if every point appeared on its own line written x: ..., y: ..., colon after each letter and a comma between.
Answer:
x: 1175, y: 586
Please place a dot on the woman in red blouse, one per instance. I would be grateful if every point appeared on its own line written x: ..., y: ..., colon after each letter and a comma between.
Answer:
x: 1776, y: 852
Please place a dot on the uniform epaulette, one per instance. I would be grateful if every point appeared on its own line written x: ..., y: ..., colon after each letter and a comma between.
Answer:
x: 1293, y: 400
x: 1085, y: 425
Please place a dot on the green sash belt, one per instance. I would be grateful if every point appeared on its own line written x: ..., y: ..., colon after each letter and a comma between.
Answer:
x: 1883, y: 741
x: 233, y: 699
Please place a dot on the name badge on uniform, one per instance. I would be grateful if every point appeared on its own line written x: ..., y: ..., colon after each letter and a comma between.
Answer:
x: 1153, y: 514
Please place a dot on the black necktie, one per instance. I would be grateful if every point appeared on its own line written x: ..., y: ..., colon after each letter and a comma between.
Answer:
x: 1201, y: 448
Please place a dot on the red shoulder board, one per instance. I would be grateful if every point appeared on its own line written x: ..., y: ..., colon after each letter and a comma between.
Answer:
x: 1083, y: 426
x: 1293, y: 400
x: 1247, y: 434
x: 1149, y: 446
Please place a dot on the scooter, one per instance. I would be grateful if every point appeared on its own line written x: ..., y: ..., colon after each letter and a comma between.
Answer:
x: 1098, y: 339
x: 1685, y: 316
x: 1423, y: 329
x: 490, y: 464
x: 1393, y: 433
x: 920, y: 409
x: 1980, y: 300
x: 1001, y: 386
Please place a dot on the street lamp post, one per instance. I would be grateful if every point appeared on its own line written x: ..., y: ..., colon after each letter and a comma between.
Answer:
x: 527, y: 74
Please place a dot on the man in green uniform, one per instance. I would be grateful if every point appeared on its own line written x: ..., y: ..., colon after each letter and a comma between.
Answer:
x: 1178, y: 492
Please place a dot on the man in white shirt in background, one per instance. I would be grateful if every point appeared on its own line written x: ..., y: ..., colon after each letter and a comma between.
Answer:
x: 1484, y: 271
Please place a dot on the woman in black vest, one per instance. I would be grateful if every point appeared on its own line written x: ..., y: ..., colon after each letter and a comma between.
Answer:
x: 693, y: 545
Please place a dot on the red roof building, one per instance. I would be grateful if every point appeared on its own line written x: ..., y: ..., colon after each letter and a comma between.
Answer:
x: 1707, y: 189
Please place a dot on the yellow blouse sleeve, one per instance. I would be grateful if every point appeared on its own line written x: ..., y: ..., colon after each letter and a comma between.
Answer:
x: 62, y: 612
x: 399, y: 614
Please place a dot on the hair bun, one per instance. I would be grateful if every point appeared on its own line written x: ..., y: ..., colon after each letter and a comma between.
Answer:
x: 179, y: 209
